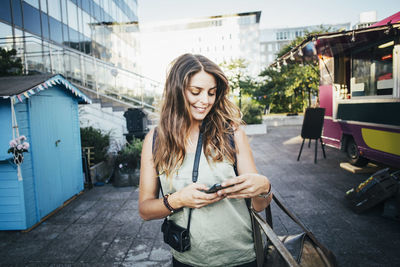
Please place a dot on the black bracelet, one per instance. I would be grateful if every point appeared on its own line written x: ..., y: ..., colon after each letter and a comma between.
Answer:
x: 166, y: 203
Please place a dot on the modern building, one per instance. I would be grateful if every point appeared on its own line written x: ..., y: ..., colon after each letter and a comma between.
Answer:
x: 87, y: 41
x: 366, y: 20
x: 274, y: 39
x: 220, y: 38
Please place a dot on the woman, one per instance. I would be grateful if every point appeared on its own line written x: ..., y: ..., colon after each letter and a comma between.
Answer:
x: 195, y: 97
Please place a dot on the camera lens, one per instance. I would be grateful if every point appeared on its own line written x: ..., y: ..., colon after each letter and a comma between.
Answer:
x: 175, y: 238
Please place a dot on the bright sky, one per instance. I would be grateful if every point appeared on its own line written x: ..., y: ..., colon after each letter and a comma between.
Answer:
x: 275, y: 13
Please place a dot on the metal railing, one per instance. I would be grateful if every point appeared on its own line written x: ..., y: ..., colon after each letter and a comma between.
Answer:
x: 41, y: 56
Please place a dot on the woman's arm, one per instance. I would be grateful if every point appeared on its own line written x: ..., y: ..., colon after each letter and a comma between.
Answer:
x: 249, y: 184
x: 150, y: 207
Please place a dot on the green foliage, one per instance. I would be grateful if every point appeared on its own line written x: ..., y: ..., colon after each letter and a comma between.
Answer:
x: 252, y: 112
x: 10, y: 64
x: 290, y: 87
x: 128, y: 157
x: 91, y: 137
x: 239, y: 81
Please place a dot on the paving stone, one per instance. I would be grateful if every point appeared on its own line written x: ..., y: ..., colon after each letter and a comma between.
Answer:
x: 102, y: 227
x: 160, y: 254
x: 131, y: 204
x: 70, y: 244
x: 124, y: 216
x: 118, y: 249
x: 132, y: 227
x: 98, y: 247
x: 113, y: 195
x: 22, y: 250
x: 140, y: 250
x: 146, y: 264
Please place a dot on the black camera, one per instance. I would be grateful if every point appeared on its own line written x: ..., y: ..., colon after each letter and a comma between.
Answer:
x: 175, y: 236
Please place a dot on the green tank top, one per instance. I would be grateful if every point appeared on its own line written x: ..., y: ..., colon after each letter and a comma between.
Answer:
x: 220, y: 233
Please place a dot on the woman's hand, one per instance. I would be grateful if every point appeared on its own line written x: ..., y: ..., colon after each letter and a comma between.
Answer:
x: 192, y: 197
x: 247, y: 185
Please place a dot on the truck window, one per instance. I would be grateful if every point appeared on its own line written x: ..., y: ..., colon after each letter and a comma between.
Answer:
x: 372, y: 70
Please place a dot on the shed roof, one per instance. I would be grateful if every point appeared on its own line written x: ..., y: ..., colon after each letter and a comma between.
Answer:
x: 21, y: 87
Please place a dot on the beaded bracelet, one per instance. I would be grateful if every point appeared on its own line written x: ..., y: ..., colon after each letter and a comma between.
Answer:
x: 166, y: 203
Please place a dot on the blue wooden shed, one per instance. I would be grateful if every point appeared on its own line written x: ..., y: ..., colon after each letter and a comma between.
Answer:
x: 46, y: 112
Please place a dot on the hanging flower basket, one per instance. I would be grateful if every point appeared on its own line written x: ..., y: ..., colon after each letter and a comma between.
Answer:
x: 17, y: 147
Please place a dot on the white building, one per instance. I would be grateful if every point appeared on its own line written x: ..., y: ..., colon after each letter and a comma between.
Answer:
x: 366, y: 19
x: 220, y: 38
x: 272, y: 40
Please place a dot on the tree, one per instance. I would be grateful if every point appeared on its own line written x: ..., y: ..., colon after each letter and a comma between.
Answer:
x: 245, y: 86
x: 238, y: 78
x: 10, y: 64
x: 288, y: 88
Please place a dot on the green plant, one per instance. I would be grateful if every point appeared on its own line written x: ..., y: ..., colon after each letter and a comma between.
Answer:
x: 252, y: 112
x: 92, y: 137
x: 129, y: 156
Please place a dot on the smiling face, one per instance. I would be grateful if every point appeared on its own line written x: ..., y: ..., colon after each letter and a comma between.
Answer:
x: 201, y: 95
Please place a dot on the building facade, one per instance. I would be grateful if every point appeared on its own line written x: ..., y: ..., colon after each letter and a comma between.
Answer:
x: 366, y: 19
x: 274, y: 39
x: 87, y: 41
x: 220, y: 38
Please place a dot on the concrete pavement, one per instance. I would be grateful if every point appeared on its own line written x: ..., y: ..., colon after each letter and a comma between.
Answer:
x: 102, y: 227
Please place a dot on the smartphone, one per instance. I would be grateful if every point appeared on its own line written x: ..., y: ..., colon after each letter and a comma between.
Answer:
x: 215, y: 188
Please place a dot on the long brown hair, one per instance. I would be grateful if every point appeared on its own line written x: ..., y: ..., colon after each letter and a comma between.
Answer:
x: 175, y: 118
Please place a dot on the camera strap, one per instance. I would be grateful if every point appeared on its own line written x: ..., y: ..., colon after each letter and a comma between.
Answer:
x: 195, y: 172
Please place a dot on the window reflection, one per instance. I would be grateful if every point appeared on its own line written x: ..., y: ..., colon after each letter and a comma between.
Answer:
x: 57, y: 59
x: 55, y: 30
x: 75, y: 68
x: 45, y: 25
x: 6, y: 32
x: 31, y: 19
x: 64, y: 11
x: 34, y: 3
x: 72, y: 16
x: 65, y: 34
x: 46, y: 58
x: 5, y: 11
x: 17, y: 13
x: 54, y: 9
x: 73, y: 39
x: 43, y: 5
x: 33, y: 56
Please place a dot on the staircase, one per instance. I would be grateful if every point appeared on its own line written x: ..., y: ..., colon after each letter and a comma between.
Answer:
x: 107, y: 114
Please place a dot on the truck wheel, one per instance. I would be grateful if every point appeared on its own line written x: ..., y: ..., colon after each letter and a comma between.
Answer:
x: 353, y: 154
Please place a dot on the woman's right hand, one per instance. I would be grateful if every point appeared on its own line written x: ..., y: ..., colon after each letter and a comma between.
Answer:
x: 192, y: 197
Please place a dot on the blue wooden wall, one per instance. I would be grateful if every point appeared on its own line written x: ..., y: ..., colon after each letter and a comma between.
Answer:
x: 12, y: 199
x: 51, y: 171
x: 56, y: 148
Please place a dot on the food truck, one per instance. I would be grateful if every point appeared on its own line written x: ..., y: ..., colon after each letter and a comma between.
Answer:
x: 359, y: 89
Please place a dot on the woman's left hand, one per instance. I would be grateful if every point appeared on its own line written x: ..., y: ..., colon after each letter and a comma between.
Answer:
x: 245, y: 186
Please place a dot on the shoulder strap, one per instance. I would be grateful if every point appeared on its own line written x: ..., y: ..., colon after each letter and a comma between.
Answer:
x: 231, y: 139
x: 195, y: 172
x: 153, y: 149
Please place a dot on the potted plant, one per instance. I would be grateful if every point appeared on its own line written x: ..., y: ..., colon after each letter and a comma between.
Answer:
x: 252, y: 116
x: 127, y: 164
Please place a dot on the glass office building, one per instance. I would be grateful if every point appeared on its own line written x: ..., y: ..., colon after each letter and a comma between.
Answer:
x: 93, y: 43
